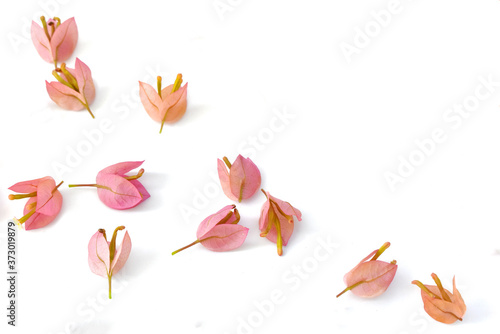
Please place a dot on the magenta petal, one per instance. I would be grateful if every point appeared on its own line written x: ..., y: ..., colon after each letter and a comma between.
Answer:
x: 121, y: 254
x: 120, y: 168
x: 119, y: 194
x: 224, y: 179
x: 224, y: 237
x: 99, y: 255
x: 64, y: 40
x: 27, y: 187
x: 41, y: 42
x: 208, y: 223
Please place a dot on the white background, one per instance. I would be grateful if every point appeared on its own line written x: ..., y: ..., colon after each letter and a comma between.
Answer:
x: 350, y: 123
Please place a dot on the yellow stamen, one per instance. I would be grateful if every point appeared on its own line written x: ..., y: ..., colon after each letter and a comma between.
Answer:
x: 158, y: 84
x: 135, y: 177
x: 177, y: 83
x: 44, y: 23
x: 424, y: 288
x: 380, y: 251
x: 440, y: 287
x: 19, y: 196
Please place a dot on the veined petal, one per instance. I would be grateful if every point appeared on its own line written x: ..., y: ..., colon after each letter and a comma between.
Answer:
x: 64, y: 96
x: 99, y: 254
x: 120, y: 168
x: 211, y: 221
x: 375, y: 275
x: 224, y: 179
x: 224, y: 237
x: 64, y: 39
x: 26, y: 187
x: 175, y: 104
x: 119, y: 194
x: 151, y: 101
x: 121, y: 254
x: 83, y: 77
x: 244, y: 178
x: 37, y: 220
x: 41, y: 42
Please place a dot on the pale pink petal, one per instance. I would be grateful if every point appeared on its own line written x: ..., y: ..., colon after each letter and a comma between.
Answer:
x: 287, y: 207
x: 151, y: 101
x: 244, y: 178
x: 84, y: 79
x: 376, y: 275
x: 64, y: 96
x: 286, y: 229
x: 174, y: 103
x: 208, y: 223
x: 264, y: 215
x: 99, y: 254
x: 41, y: 42
x: 122, y: 253
x: 27, y: 187
x: 441, y: 310
x: 44, y: 195
x: 224, y: 179
x: 37, y: 220
x: 64, y: 40
x: 120, y: 168
x: 119, y: 194
x: 224, y: 237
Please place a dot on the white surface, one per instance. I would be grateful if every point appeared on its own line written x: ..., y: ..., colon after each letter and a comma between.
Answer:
x: 351, y: 122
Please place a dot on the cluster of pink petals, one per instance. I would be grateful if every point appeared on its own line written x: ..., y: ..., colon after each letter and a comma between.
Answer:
x: 166, y: 105
x: 276, y: 220
x: 44, y: 202
x: 441, y: 304
x: 55, y: 41
x: 239, y: 180
x: 370, y: 278
x: 118, y: 190
x: 105, y: 259
x: 219, y: 232
x: 74, y: 89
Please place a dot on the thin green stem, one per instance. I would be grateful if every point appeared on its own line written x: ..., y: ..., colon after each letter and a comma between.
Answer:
x: 183, y: 248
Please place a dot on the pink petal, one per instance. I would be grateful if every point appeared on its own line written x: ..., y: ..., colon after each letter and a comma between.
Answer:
x: 64, y: 40
x: 138, y: 185
x: 174, y: 103
x: 121, y: 254
x: 64, y: 96
x: 41, y: 42
x: 377, y: 276
x: 224, y: 179
x: 151, y: 101
x: 27, y: 187
x: 120, y: 193
x: 264, y: 215
x: 244, y: 178
x: 224, y: 237
x: 286, y: 229
x: 211, y: 221
x: 121, y: 168
x: 286, y: 207
x: 44, y: 195
x: 84, y: 78
x: 99, y: 254
x: 37, y: 220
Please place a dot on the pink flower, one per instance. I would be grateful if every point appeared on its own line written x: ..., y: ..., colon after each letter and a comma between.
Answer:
x: 56, y: 41
x: 166, y: 105
x: 219, y: 232
x: 74, y: 88
x: 117, y: 190
x: 44, y: 202
x: 441, y: 304
x: 104, y: 258
x: 276, y: 220
x: 370, y: 278
x: 242, y: 180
